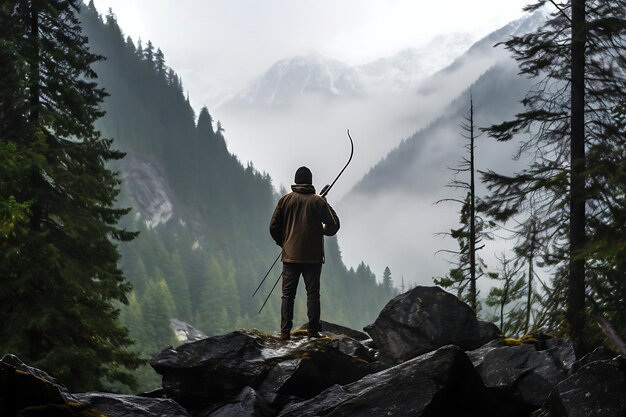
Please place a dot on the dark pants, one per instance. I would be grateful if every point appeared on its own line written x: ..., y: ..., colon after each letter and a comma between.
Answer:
x: 291, y: 276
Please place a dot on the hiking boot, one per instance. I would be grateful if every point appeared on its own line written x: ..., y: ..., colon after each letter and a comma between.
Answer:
x: 313, y: 334
x: 284, y: 337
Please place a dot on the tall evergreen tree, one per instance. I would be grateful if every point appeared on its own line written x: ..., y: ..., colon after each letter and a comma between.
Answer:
x: 578, y: 58
x: 387, y: 280
x: 470, y: 234
x: 59, y: 277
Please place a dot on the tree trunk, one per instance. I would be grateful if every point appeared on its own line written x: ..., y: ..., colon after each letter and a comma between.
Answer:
x: 576, y: 287
x: 473, y: 294
x: 34, y: 101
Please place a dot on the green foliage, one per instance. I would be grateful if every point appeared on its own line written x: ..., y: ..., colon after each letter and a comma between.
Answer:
x: 506, y: 297
x: 559, y: 194
x: 60, y: 284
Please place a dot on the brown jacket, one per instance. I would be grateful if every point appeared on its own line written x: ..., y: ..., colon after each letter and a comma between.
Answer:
x: 299, y: 223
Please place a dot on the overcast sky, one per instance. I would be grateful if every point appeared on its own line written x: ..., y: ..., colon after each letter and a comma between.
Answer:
x: 220, y: 45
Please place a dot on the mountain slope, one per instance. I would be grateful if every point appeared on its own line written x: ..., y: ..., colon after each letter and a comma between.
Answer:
x: 400, y: 190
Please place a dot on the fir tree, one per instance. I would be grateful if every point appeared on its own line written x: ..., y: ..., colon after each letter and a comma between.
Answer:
x: 506, y: 296
x: 574, y: 143
x: 60, y: 278
x: 159, y: 62
x: 470, y: 234
x: 387, y: 280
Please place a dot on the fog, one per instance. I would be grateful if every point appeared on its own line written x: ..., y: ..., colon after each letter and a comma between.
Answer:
x: 311, y: 129
x: 221, y: 47
x: 392, y: 219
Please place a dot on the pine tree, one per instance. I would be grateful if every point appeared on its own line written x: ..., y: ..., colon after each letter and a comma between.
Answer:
x: 148, y: 53
x: 574, y: 142
x: 387, y: 281
x: 60, y: 278
x: 159, y: 62
x: 506, y: 296
x: 469, y: 266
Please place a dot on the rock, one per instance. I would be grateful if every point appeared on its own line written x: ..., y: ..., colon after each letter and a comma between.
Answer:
x: 487, y: 330
x: 211, y: 370
x: 309, y: 369
x: 424, y: 319
x: 477, y: 356
x: 596, y: 389
x: 441, y: 383
x: 247, y: 404
x: 600, y: 353
x: 118, y: 405
x: 353, y: 348
x: 530, y: 373
x: 24, y: 389
x: 338, y: 329
x: 185, y: 333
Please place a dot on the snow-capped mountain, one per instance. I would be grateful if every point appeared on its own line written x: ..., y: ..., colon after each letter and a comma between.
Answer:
x: 318, y: 74
x: 302, y: 74
x: 409, y: 67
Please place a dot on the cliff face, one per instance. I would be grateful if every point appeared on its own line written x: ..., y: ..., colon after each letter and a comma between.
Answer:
x: 252, y: 374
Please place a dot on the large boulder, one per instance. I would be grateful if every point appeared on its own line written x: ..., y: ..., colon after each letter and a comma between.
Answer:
x: 118, y: 405
x: 529, y: 373
x: 310, y: 368
x: 441, y: 383
x: 25, y: 390
x: 594, y: 389
x: 247, y: 404
x: 424, y: 319
x: 204, y: 374
x: 211, y: 370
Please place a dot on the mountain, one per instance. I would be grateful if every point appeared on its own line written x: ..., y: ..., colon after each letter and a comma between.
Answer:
x: 301, y: 75
x: 202, y: 215
x: 290, y: 78
x: 408, y: 68
x: 401, y: 189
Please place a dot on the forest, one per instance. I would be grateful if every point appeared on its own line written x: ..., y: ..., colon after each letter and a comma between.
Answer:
x: 121, y: 209
x: 200, y: 266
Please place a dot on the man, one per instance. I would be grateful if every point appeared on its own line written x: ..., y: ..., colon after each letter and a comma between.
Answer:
x: 299, y: 223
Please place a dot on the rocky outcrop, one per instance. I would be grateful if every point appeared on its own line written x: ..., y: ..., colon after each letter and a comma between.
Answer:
x: 211, y: 370
x: 251, y: 374
x: 205, y: 373
x: 28, y: 391
x: 441, y: 383
x: 595, y: 388
x: 424, y: 319
x: 529, y: 373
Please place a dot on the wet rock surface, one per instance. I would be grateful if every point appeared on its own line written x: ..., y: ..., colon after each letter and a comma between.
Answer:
x: 440, y: 383
x: 211, y: 370
x: 595, y: 389
x: 205, y: 373
x: 424, y: 319
x: 118, y: 405
x: 247, y: 404
x: 337, y: 329
x: 529, y: 372
x: 252, y: 374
